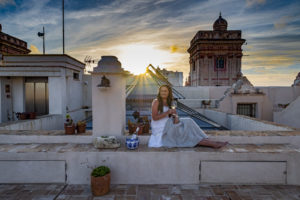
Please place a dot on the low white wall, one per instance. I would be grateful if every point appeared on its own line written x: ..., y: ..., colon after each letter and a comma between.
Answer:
x: 239, y: 122
x: 197, y: 103
x: 80, y: 114
x: 194, y: 92
x: 281, y: 95
x: 140, y: 167
x: 48, y: 122
x: 289, y: 116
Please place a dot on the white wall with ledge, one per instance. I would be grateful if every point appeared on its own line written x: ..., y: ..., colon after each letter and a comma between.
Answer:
x: 240, y: 122
x: 290, y: 116
x: 46, y: 122
x: 179, y: 167
x: 281, y: 95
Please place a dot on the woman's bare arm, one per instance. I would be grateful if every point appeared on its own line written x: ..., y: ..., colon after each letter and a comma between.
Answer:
x: 155, y: 115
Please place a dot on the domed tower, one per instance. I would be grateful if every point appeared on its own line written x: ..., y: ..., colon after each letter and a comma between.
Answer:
x: 215, y: 56
x: 220, y: 24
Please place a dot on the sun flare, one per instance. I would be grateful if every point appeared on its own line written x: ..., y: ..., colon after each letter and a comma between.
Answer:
x: 136, y: 57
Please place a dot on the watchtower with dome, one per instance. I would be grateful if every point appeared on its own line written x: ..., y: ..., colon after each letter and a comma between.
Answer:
x: 215, y: 56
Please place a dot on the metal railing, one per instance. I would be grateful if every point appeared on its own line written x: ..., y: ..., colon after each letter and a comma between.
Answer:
x: 160, y: 79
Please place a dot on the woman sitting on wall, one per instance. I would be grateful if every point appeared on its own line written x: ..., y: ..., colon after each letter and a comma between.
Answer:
x: 172, y: 131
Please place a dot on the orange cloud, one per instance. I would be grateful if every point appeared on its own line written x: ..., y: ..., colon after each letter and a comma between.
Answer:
x: 282, y: 22
x: 250, y: 3
x: 174, y: 48
x: 34, y: 49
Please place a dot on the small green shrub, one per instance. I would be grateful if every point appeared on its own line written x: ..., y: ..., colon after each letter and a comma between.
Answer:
x: 100, y: 171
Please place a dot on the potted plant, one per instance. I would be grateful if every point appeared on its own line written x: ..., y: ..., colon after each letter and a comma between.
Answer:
x: 69, y: 125
x: 131, y: 127
x: 32, y: 115
x: 22, y: 115
x: 141, y: 126
x: 146, y: 124
x: 100, y: 180
x: 81, y: 126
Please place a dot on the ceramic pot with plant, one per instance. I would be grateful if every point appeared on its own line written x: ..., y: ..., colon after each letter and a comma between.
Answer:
x: 81, y: 126
x: 69, y: 126
x: 100, y: 180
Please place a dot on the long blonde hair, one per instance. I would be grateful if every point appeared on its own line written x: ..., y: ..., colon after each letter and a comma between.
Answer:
x: 169, y: 98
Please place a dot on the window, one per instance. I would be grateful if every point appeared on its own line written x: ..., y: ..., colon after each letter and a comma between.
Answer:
x: 76, y: 76
x: 194, y: 66
x: 248, y: 109
x: 220, y: 63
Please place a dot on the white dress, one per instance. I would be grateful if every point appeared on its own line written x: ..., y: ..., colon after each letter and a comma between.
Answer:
x: 157, y: 130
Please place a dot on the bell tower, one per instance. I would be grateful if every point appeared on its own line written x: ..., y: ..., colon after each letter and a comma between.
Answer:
x: 215, y: 56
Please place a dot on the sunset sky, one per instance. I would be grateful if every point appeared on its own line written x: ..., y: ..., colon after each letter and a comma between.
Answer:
x: 140, y: 32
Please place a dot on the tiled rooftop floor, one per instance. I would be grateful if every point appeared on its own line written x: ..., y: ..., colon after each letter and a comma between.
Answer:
x: 150, y: 192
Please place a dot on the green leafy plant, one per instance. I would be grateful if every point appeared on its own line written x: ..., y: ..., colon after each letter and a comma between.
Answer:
x: 100, y: 171
x: 69, y: 120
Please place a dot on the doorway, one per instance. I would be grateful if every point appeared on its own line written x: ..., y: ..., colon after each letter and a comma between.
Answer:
x: 36, y: 95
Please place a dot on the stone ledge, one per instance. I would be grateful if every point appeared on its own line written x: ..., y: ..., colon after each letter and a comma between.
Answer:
x: 68, y: 147
x: 209, y: 132
x: 233, y: 137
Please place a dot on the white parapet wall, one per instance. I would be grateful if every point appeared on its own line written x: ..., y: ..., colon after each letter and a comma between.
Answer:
x: 186, y: 166
x: 47, y: 122
x: 289, y: 116
x: 240, y: 122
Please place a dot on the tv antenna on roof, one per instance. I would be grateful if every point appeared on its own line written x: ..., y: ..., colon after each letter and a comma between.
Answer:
x: 88, y: 60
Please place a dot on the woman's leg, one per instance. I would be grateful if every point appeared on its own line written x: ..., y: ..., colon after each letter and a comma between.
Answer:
x: 213, y: 144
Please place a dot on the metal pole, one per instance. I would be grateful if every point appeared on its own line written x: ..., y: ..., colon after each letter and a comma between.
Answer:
x: 217, y: 68
x: 43, y: 40
x: 63, y: 24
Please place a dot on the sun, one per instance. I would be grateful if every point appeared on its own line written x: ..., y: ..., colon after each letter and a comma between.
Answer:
x: 136, y: 57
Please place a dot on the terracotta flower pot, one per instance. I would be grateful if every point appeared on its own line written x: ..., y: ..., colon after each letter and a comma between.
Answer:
x: 141, y: 128
x: 32, y: 115
x: 146, y: 128
x: 70, y: 129
x: 100, y: 185
x: 131, y: 128
x: 23, y: 116
x: 81, y: 128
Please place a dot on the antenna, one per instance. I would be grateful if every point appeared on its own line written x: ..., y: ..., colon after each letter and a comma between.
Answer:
x: 42, y: 34
x: 89, y: 60
x: 63, y: 25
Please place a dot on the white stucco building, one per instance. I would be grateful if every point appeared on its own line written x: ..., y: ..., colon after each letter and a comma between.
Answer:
x: 175, y: 78
x: 46, y: 84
